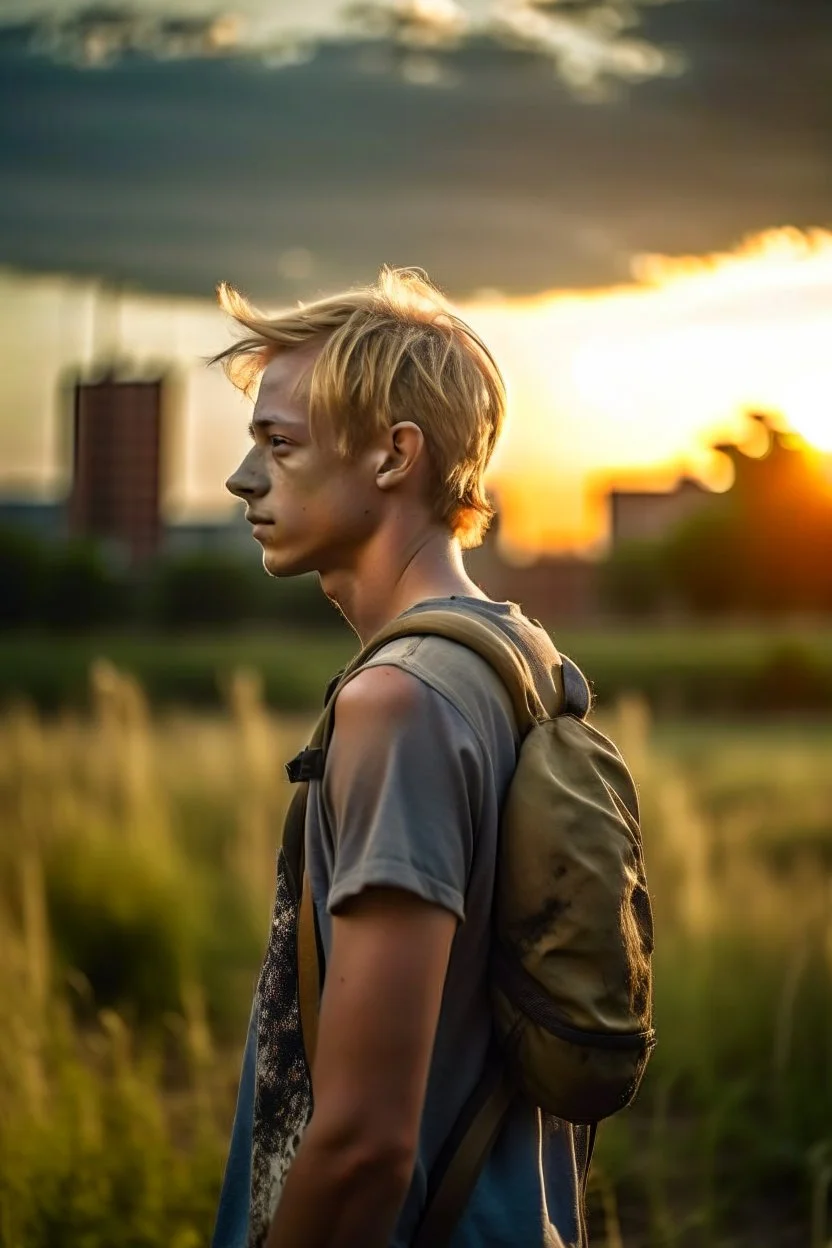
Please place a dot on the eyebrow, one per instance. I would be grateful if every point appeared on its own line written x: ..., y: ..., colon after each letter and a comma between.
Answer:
x: 282, y: 422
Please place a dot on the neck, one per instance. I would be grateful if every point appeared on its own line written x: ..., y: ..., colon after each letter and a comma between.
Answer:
x: 393, y: 573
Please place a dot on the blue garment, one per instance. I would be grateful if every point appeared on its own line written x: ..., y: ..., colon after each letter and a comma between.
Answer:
x: 505, y: 1209
x: 418, y: 809
x: 231, y: 1229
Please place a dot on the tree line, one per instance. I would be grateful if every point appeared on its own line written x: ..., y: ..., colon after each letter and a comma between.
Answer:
x: 763, y: 548
x: 78, y: 586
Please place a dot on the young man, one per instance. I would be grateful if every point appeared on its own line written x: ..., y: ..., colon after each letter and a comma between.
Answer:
x: 376, y: 417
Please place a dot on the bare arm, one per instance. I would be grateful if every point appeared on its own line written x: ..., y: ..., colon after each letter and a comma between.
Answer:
x: 379, y: 1014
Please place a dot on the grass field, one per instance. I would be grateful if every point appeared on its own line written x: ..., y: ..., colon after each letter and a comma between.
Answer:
x: 135, y: 885
x: 693, y: 669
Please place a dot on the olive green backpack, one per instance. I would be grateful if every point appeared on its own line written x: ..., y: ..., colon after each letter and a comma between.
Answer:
x: 570, y: 969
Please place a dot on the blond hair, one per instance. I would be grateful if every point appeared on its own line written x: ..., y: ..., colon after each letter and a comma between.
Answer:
x: 392, y: 351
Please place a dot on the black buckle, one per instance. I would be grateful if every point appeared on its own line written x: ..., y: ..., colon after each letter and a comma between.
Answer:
x: 308, y: 765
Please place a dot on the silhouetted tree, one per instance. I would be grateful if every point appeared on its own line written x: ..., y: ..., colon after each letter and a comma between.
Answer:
x: 633, y: 579
x: 764, y: 547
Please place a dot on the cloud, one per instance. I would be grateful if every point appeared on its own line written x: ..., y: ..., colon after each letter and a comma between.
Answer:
x: 173, y: 174
x: 101, y: 36
x: 588, y: 46
x: 588, y: 42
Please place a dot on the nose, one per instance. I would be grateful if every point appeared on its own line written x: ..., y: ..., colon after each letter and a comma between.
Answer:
x: 250, y: 480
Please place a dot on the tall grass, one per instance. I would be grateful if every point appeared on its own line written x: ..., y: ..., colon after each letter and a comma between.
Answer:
x: 136, y: 870
x: 731, y: 1141
x: 134, y: 894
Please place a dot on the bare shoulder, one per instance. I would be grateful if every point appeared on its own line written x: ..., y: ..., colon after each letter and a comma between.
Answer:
x: 383, y: 690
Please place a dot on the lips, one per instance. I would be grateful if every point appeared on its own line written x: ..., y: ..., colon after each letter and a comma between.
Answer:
x: 259, y: 525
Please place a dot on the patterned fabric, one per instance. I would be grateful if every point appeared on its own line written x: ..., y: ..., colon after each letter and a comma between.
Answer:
x: 282, y: 1090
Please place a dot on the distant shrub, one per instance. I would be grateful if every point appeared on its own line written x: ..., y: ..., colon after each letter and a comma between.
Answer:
x: 702, y: 563
x: 22, y: 560
x: 791, y: 679
x: 82, y: 589
x: 82, y: 585
x: 203, y: 591
x: 633, y: 581
x: 298, y: 600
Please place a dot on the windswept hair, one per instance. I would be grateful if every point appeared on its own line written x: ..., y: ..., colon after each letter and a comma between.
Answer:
x: 392, y: 351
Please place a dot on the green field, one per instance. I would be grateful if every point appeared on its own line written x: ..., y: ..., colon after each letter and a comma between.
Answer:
x: 135, y: 886
x: 690, y: 670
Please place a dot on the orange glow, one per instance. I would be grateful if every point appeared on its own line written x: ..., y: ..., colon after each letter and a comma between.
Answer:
x: 642, y: 378
x: 815, y: 426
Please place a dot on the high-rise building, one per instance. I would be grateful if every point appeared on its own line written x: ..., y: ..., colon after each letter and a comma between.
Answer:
x: 116, y: 464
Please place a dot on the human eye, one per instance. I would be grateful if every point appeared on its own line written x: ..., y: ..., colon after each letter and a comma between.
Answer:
x: 276, y: 441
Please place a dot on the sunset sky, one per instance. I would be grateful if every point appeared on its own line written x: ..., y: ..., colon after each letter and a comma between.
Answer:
x: 630, y: 199
x: 629, y: 384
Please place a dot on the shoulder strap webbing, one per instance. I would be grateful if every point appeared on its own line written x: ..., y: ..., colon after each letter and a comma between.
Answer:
x: 487, y: 640
x: 458, y: 1166
x: 309, y: 972
x: 309, y: 960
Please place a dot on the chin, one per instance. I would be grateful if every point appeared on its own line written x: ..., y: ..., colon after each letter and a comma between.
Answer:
x: 279, y: 564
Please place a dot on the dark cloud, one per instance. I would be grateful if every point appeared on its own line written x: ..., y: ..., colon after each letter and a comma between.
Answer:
x: 587, y: 41
x: 173, y: 174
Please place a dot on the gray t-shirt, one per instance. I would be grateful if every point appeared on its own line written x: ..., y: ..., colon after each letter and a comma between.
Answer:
x: 418, y: 810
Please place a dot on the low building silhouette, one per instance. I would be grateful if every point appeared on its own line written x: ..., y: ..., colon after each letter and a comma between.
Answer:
x: 649, y: 515
x: 554, y: 589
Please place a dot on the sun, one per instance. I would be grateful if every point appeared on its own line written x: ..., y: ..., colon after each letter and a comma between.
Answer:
x: 816, y: 428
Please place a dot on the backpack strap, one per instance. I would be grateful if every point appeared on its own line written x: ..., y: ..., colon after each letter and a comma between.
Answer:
x: 309, y: 972
x: 465, y: 1152
x: 487, y: 640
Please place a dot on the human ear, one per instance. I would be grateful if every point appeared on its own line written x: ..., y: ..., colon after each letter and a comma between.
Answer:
x: 402, y: 447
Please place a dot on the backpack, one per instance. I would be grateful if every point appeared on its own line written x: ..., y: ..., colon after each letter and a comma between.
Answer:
x: 570, y: 966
